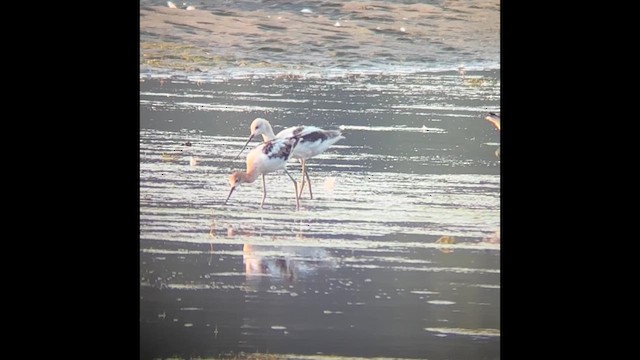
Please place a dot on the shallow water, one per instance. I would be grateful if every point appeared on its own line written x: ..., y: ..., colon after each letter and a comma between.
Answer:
x: 397, y: 255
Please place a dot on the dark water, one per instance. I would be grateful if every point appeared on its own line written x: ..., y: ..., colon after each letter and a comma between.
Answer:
x: 397, y: 255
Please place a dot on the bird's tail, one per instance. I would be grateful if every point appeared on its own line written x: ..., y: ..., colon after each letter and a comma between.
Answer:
x: 333, y: 134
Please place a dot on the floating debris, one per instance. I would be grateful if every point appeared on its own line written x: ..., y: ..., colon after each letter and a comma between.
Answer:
x: 170, y: 156
x: 475, y: 81
x: 446, y: 239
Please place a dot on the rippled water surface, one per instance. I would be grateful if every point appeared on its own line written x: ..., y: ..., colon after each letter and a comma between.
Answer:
x: 398, y: 253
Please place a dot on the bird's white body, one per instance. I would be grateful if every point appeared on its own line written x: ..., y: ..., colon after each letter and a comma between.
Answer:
x: 313, y: 140
x: 268, y: 157
x: 265, y: 158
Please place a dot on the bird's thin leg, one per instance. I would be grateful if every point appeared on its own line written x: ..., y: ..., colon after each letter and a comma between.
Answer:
x: 264, y: 191
x: 295, y: 187
x: 302, y: 178
x: 306, y: 173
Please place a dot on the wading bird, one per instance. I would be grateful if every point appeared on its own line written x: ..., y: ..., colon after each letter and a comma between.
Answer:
x: 313, y: 141
x: 495, y: 120
x: 265, y: 158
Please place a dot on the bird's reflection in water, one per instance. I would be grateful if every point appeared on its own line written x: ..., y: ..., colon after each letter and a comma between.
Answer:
x: 257, y: 265
x: 446, y: 240
x: 289, y: 263
x: 280, y: 263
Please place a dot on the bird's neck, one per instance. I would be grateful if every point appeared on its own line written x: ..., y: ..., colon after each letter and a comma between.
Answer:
x: 267, y: 137
x: 268, y: 134
x: 248, y: 177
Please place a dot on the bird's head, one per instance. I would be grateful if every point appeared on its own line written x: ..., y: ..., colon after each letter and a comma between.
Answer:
x: 259, y: 126
x: 235, y: 179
